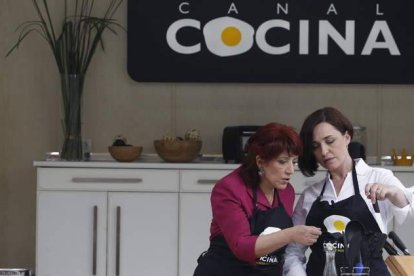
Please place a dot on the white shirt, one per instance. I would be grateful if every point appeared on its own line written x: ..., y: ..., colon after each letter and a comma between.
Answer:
x: 295, y: 253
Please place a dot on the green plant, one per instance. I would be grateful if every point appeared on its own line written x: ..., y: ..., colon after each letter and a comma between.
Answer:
x: 80, y: 33
x: 73, y: 48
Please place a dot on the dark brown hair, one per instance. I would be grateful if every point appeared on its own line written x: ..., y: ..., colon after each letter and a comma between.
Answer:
x: 268, y: 143
x: 307, y: 162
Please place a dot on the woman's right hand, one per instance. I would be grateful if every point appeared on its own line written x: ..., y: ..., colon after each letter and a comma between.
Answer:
x: 305, y: 235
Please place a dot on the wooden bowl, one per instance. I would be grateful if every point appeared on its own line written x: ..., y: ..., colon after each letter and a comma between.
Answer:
x: 125, y: 153
x: 178, y: 151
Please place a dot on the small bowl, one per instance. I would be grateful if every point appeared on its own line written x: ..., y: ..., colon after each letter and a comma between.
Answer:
x: 178, y: 151
x: 125, y: 153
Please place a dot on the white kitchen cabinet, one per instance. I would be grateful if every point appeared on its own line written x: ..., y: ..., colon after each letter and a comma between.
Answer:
x: 65, y: 233
x: 107, y: 222
x: 195, y: 215
x: 195, y: 219
x: 300, y: 182
x: 147, y: 236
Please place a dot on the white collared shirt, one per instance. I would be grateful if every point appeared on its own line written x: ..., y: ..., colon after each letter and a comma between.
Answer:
x: 295, y: 253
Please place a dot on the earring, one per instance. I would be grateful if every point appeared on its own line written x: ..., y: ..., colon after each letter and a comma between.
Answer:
x: 260, y: 172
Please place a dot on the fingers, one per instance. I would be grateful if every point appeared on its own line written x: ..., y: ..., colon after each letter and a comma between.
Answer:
x: 316, y: 231
x: 309, y: 240
x: 379, y: 193
x: 313, y: 235
x: 312, y: 240
x: 375, y: 191
x: 368, y: 189
x: 307, y: 235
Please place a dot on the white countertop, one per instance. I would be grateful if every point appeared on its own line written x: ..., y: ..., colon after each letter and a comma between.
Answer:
x: 146, y: 161
x: 136, y: 164
x: 151, y: 161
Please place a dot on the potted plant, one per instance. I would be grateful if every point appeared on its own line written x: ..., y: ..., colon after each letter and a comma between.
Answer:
x: 73, y: 42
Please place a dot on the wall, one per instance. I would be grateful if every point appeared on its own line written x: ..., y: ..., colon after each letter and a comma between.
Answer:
x: 113, y: 104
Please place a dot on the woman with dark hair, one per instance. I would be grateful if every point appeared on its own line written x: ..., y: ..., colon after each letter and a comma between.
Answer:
x: 251, y: 208
x: 351, y: 191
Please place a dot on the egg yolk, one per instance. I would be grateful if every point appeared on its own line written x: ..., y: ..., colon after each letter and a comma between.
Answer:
x: 339, y: 225
x: 231, y: 36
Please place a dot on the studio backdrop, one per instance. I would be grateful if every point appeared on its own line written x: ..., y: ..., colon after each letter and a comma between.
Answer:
x: 300, y: 41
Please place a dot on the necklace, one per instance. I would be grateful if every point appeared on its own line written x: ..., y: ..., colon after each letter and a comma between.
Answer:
x: 268, y: 191
x: 270, y: 197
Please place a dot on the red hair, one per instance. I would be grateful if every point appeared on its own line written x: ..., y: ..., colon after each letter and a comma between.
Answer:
x: 268, y: 143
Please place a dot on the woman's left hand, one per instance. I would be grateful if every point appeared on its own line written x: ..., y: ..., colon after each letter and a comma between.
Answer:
x: 377, y: 191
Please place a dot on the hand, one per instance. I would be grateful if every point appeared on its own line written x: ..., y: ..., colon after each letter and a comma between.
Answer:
x: 377, y: 191
x: 305, y: 235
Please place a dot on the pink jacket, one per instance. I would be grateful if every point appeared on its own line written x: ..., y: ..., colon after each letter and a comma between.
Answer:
x: 232, y: 205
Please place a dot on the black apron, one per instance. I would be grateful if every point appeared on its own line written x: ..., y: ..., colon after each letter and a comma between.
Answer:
x: 354, y: 208
x: 219, y: 260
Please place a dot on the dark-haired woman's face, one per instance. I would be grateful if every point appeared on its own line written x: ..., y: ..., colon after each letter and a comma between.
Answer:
x: 277, y: 172
x: 330, y: 146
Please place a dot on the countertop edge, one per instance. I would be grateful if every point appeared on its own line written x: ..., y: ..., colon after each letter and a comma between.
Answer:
x: 134, y: 165
x: 166, y: 165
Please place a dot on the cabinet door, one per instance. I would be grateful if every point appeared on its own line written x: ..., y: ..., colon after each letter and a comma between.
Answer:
x: 142, y: 234
x: 195, y: 215
x: 66, y: 234
x: 195, y: 219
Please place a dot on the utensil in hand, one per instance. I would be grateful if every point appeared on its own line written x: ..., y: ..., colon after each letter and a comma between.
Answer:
x: 376, y: 207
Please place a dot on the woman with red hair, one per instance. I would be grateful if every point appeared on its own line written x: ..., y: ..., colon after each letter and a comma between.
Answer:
x: 252, y: 208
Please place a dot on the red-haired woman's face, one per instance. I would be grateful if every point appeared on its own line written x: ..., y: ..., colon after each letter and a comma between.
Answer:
x: 277, y: 172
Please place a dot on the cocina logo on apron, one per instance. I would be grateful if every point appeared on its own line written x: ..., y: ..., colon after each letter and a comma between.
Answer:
x: 353, y: 208
x: 335, y: 225
x: 267, y: 222
x: 220, y: 260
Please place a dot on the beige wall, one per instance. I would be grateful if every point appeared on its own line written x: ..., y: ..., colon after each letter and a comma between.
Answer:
x: 113, y: 104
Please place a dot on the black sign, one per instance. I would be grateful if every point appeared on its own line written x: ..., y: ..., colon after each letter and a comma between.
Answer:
x: 300, y: 41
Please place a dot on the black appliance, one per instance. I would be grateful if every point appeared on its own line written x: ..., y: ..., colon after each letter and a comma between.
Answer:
x: 356, y: 150
x: 234, y: 141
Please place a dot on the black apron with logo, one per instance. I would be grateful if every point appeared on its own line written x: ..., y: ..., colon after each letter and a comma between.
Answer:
x: 355, y: 209
x: 218, y: 260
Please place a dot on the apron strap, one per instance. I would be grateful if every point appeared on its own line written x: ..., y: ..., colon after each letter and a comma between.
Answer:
x: 279, y: 202
x: 355, y: 179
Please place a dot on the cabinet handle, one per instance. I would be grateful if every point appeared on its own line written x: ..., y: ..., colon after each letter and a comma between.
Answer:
x: 207, y: 181
x: 105, y: 180
x: 95, y: 244
x: 118, y: 238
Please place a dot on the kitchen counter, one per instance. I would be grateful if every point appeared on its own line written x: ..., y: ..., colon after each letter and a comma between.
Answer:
x: 149, y: 204
x: 152, y: 161
x: 144, y: 162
